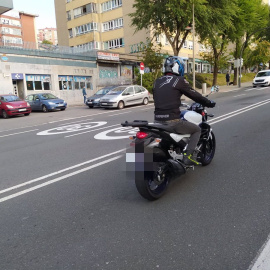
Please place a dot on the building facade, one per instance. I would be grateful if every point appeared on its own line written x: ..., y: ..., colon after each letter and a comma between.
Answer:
x: 17, y: 28
x: 105, y: 25
x: 49, y: 34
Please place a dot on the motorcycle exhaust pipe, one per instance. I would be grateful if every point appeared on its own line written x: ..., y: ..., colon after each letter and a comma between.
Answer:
x: 176, y: 166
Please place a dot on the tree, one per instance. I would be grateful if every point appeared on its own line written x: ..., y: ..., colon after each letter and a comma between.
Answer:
x: 260, y: 54
x: 170, y: 17
x: 217, y: 28
x: 153, y: 58
x: 253, y: 16
x: 45, y: 41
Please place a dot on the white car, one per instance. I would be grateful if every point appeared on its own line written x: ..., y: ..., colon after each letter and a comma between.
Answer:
x: 262, y: 78
x: 122, y: 96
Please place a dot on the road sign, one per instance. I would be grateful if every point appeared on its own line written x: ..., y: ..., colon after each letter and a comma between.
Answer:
x: 142, y: 68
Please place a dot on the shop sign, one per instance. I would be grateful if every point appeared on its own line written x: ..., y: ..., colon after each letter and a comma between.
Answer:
x: 4, y: 58
x: 108, y: 56
x: 17, y: 76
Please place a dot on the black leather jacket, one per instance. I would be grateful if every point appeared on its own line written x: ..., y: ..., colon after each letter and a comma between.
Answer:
x: 167, y: 92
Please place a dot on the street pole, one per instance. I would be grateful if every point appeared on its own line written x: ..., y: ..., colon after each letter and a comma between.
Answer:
x: 193, y: 31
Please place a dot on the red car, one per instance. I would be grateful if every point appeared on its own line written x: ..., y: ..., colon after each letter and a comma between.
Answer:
x: 13, y: 105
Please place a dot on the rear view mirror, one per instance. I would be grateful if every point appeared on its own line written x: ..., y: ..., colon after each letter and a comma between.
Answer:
x: 214, y: 88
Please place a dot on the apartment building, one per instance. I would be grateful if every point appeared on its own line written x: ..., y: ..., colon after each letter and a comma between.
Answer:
x: 49, y: 34
x: 17, y: 27
x: 105, y: 25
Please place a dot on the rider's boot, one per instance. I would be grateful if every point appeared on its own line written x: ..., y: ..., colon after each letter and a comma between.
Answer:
x: 190, y: 159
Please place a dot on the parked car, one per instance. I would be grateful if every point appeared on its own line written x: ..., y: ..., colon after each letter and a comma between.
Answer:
x: 122, y: 96
x: 12, y: 105
x: 94, y: 100
x: 45, y: 102
x: 262, y: 78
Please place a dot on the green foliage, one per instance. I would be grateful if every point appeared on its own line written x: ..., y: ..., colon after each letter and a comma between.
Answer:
x: 147, y: 79
x: 45, y: 41
x: 152, y: 57
x: 199, y: 80
x: 170, y: 17
x: 259, y: 54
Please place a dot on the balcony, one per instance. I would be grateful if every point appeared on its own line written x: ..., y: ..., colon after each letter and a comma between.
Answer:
x: 5, y: 5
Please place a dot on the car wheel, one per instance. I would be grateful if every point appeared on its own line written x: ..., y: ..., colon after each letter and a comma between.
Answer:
x: 120, y: 105
x: 254, y: 86
x: 44, y: 108
x: 5, y: 115
x: 145, y: 101
x: 26, y: 114
x: 90, y: 107
x: 63, y: 109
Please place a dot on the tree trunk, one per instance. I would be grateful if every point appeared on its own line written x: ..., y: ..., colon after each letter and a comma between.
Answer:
x: 235, y: 77
x: 215, y: 74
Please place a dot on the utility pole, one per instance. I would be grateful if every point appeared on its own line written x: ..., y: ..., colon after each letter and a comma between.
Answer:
x: 193, y: 31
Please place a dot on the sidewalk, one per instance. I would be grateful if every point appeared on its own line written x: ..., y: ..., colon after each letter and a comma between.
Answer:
x: 223, y: 88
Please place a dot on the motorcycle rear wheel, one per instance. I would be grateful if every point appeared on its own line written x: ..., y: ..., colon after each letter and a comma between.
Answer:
x: 208, y: 150
x: 148, y: 188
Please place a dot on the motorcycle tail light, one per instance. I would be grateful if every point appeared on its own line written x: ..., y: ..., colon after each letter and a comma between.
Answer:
x: 141, y: 135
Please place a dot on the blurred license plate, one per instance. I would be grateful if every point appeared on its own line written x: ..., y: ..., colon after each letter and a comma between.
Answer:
x: 104, y: 103
x: 89, y: 102
x: 22, y: 110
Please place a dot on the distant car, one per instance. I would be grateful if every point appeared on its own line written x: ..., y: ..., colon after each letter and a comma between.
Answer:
x: 262, y: 78
x: 12, y: 105
x: 94, y: 100
x: 122, y: 96
x: 45, y: 102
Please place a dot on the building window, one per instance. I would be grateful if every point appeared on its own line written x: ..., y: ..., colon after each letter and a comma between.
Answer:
x: 88, y: 46
x: 38, y: 82
x: 190, y: 45
x: 74, y: 82
x: 109, y: 5
x: 185, y: 44
x: 85, y: 28
x: 69, y: 15
x: 86, y: 9
x: 113, y: 44
x: 70, y: 32
x: 111, y: 25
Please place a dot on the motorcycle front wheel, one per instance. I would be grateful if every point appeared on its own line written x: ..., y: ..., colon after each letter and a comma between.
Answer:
x: 208, y: 150
x: 152, y: 185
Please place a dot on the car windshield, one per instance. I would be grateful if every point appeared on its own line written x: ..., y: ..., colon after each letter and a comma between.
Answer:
x: 48, y: 96
x: 263, y: 74
x: 118, y: 90
x: 10, y: 98
x: 103, y: 91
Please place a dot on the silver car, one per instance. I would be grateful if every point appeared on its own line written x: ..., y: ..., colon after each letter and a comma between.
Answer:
x: 122, y: 96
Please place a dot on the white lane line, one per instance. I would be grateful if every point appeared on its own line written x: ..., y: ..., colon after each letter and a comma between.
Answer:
x: 262, y: 260
x: 119, y: 114
x: 91, y: 130
x: 256, y: 89
x: 57, y: 179
x: 221, y: 116
x: 18, y: 133
x: 240, y: 95
x: 214, y: 122
x: 61, y: 171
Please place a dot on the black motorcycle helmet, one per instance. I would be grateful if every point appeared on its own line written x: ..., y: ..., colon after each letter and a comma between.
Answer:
x: 174, y: 65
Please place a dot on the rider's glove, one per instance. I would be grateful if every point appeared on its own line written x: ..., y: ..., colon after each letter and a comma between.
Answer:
x: 211, y: 104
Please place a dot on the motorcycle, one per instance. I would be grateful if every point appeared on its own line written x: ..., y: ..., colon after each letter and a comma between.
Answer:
x: 157, y: 152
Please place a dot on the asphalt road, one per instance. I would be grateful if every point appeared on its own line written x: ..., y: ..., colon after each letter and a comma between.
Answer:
x: 67, y: 203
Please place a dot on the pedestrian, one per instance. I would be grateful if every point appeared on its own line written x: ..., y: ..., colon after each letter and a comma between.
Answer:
x: 228, y: 78
x: 84, y: 94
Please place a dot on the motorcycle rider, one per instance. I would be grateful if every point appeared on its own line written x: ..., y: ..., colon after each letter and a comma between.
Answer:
x: 167, y: 92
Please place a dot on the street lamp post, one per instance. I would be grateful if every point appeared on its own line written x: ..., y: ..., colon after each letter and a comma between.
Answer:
x: 193, y: 32
x: 242, y: 49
